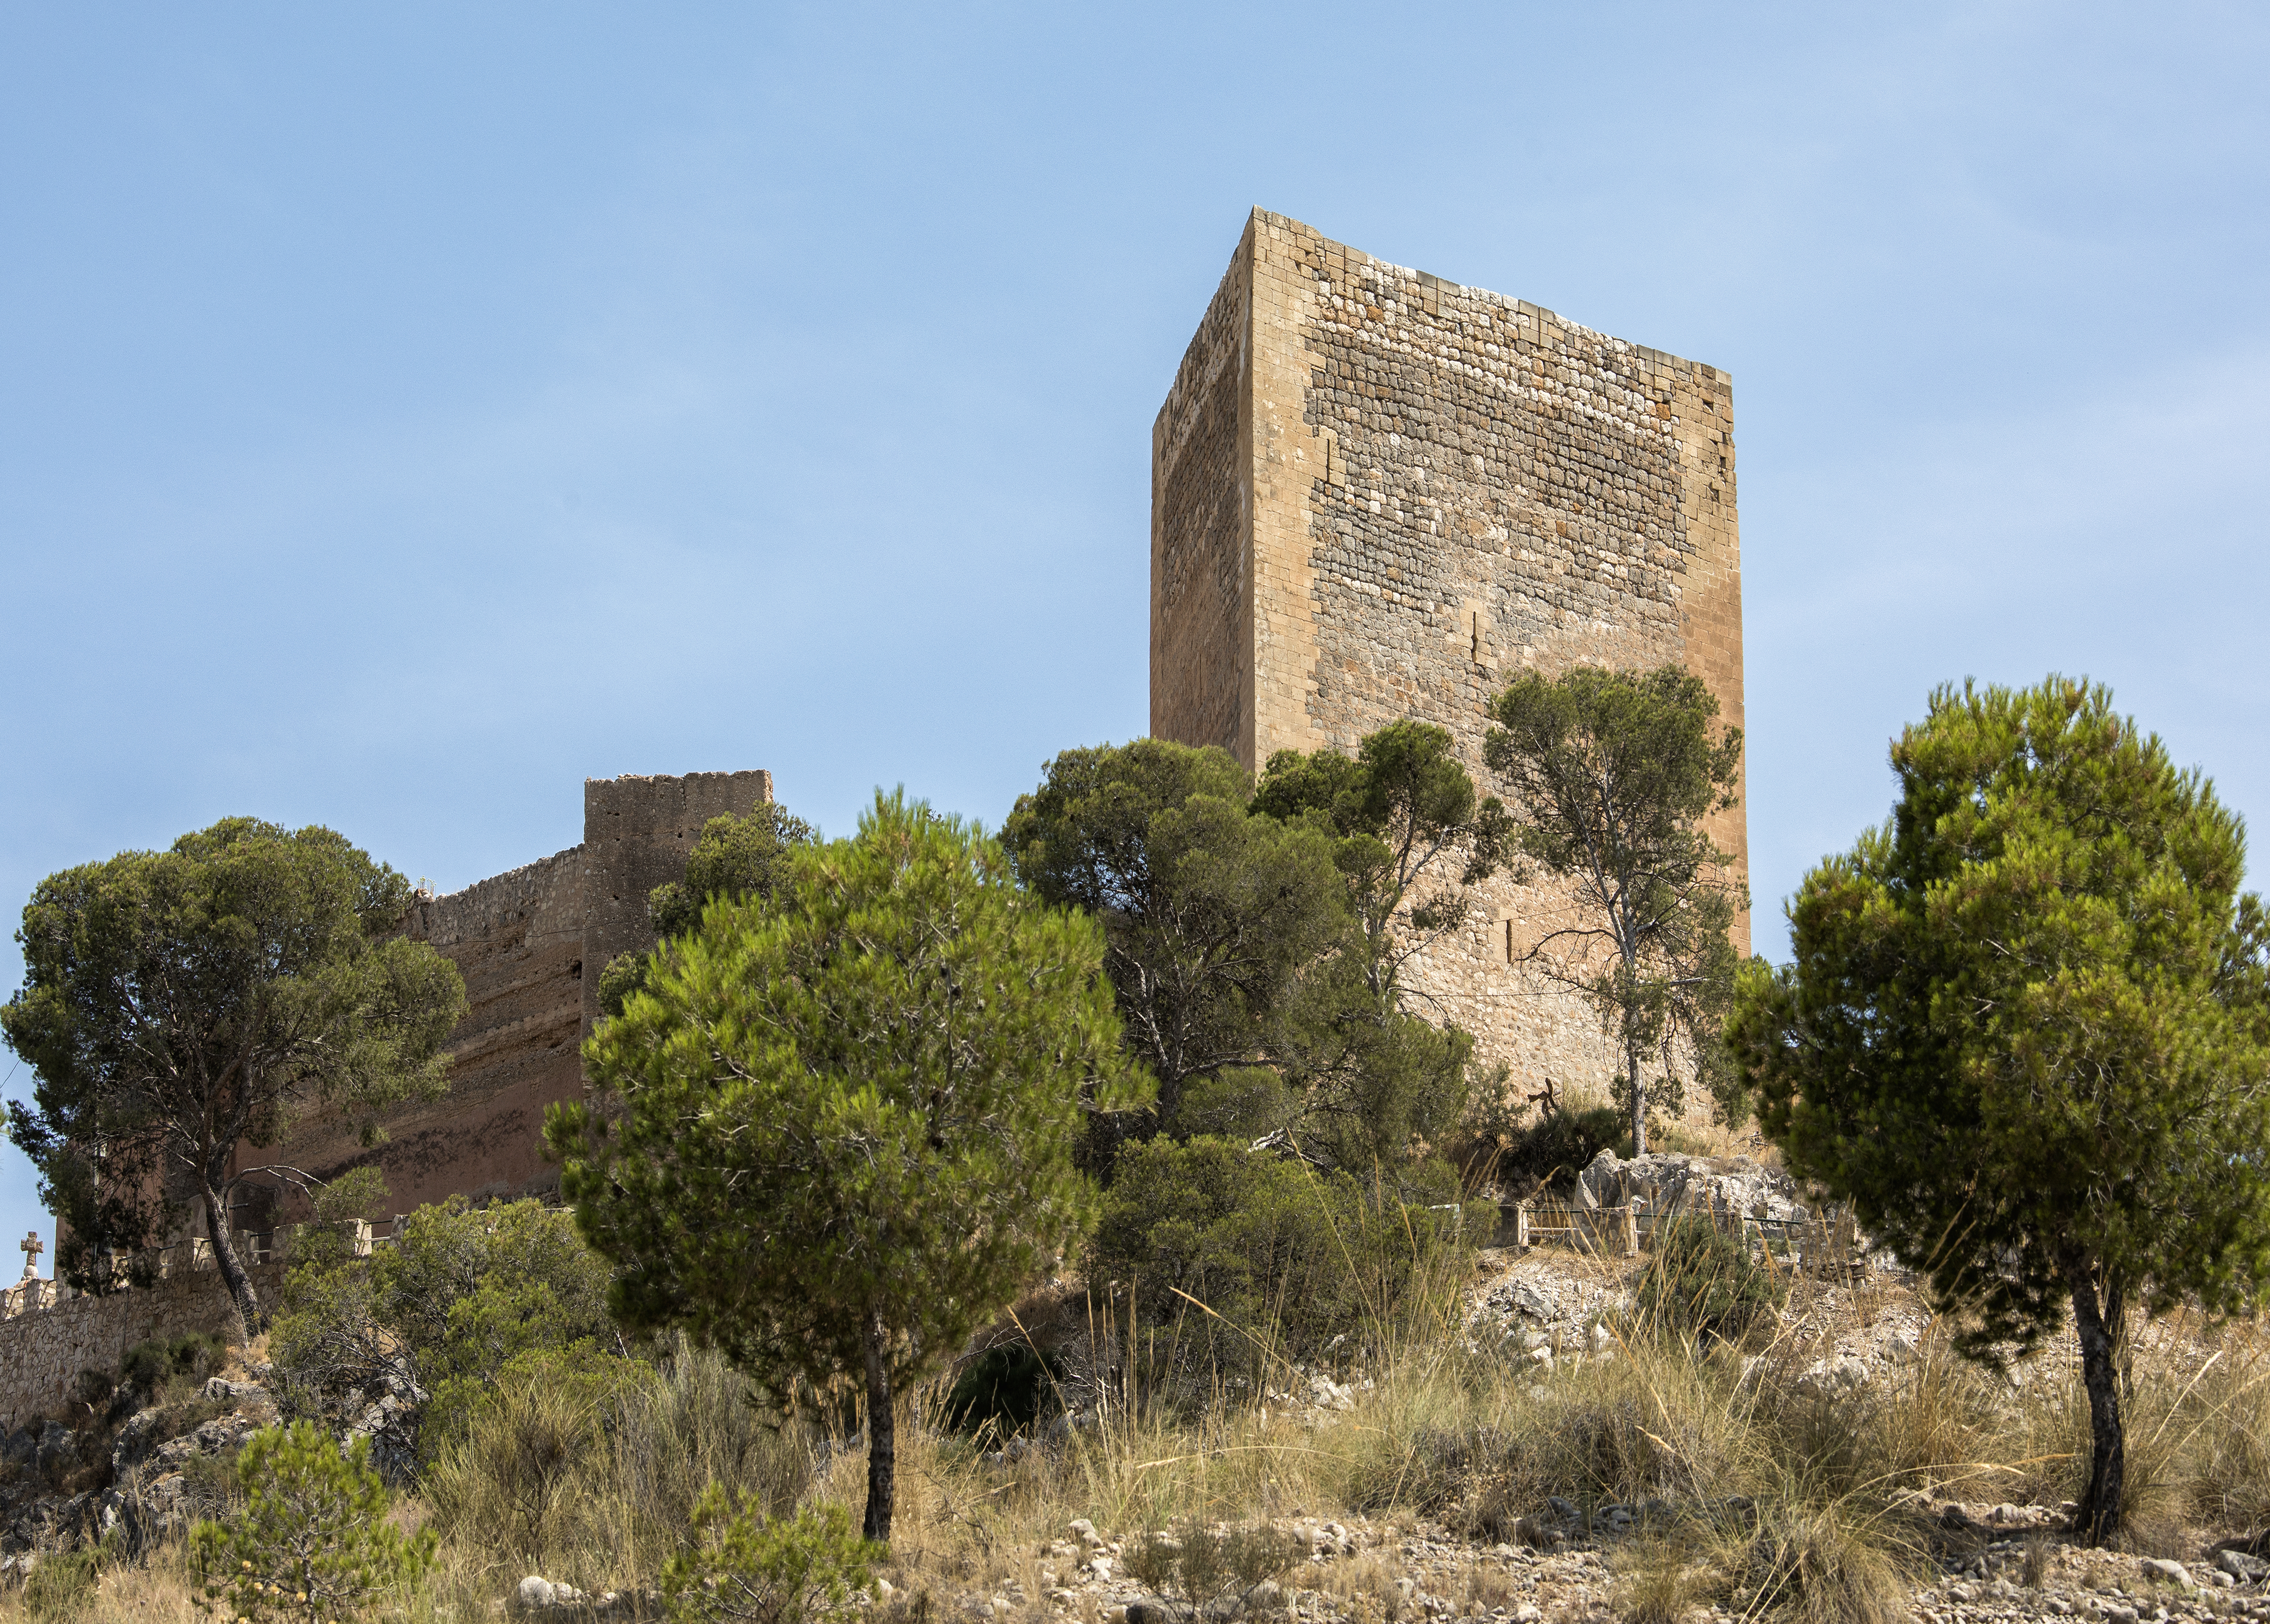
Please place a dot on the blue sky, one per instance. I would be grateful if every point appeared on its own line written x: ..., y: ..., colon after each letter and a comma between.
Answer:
x: 407, y: 412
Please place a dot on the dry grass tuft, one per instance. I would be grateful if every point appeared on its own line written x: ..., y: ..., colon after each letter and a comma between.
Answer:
x: 1751, y: 1490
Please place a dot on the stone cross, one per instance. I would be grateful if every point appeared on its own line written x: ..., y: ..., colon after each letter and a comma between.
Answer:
x: 31, y: 1248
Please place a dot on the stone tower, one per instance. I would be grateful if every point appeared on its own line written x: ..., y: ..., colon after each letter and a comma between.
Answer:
x: 1377, y: 494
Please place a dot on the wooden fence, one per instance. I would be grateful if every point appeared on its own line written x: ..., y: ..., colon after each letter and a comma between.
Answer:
x: 1827, y: 1243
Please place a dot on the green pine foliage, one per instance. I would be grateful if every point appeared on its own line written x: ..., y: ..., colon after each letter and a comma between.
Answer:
x: 179, y: 1006
x: 832, y: 1135
x: 2026, y: 1032
x: 1550, y: 1152
x: 1609, y: 775
x: 1211, y: 912
x: 1002, y: 1391
x: 1257, y: 935
x: 312, y: 1544
x: 463, y: 1293
x: 1410, y: 833
x: 1257, y: 1254
x: 744, y: 1568
x: 1705, y: 1281
x: 744, y: 857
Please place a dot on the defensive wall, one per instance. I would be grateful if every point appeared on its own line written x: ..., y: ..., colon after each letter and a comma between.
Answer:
x: 1376, y: 493
x: 523, y: 941
x: 530, y: 945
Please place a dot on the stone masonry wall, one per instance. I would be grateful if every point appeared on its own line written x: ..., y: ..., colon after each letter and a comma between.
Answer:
x: 1448, y: 488
x: 529, y: 943
x: 637, y: 834
x: 1201, y: 611
x: 43, y: 1351
x: 517, y: 938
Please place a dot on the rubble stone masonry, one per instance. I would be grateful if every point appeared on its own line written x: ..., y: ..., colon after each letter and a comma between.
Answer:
x: 530, y: 945
x: 43, y: 1348
x: 1378, y: 494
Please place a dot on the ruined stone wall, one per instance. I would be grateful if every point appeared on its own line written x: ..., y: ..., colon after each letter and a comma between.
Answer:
x: 1448, y: 488
x: 43, y: 1350
x: 530, y: 945
x: 517, y: 938
x: 637, y: 834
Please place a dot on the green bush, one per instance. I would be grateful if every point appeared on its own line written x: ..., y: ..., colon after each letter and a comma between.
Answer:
x: 1280, y: 1254
x: 1010, y: 1387
x: 1244, y: 1102
x: 1704, y: 1281
x: 149, y: 1365
x: 463, y: 1293
x: 745, y: 1566
x: 1558, y: 1147
x: 313, y: 1542
x: 62, y: 1584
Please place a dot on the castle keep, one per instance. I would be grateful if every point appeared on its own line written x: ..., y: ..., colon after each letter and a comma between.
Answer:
x: 1375, y: 494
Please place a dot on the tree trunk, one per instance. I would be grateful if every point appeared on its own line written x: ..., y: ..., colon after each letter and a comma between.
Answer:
x: 881, y: 1439
x: 2100, y: 1374
x: 1638, y: 1101
x: 231, y: 1271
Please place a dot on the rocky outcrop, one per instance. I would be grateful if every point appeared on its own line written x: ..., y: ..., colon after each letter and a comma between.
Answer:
x: 1664, y: 1183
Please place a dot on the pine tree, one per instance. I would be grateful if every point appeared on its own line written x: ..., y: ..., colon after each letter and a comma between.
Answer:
x: 1609, y: 775
x: 180, y: 1006
x: 833, y: 1133
x: 2026, y: 1032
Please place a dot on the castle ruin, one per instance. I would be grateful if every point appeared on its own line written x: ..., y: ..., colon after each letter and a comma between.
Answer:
x: 529, y: 943
x: 1376, y: 493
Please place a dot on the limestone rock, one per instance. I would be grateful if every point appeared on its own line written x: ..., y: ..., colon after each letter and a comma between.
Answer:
x: 2165, y: 1571
x: 1666, y: 1182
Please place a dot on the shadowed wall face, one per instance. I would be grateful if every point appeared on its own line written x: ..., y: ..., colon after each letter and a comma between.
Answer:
x: 1433, y: 488
x: 1201, y: 610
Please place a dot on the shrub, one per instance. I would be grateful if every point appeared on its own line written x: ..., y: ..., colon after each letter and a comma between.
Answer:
x: 93, y: 1389
x: 1009, y: 1387
x: 1202, y: 1564
x: 150, y: 1365
x: 1705, y: 1282
x: 463, y: 1293
x: 1814, y: 1565
x: 313, y: 1542
x: 62, y: 1584
x: 1277, y: 1251
x: 745, y: 1566
x: 518, y: 1459
x: 1556, y: 1148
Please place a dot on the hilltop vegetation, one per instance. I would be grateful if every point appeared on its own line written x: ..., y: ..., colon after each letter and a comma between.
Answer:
x: 1099, y: 1211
